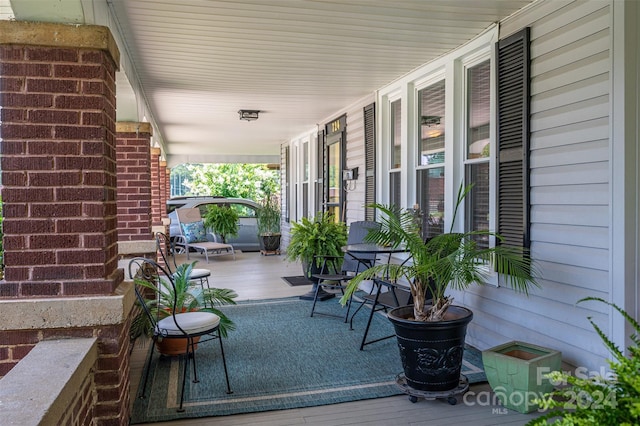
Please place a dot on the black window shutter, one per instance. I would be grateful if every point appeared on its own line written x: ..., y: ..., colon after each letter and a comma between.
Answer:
x: 370, y: 160
x: 513, y: 138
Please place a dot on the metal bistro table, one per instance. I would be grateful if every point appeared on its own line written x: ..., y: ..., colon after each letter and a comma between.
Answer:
x: 395, y: 295
x: 360, y: 249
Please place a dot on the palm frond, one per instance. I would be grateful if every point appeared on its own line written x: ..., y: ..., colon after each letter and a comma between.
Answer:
x: 449, y: 260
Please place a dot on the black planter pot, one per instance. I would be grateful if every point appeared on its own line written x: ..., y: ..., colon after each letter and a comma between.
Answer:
x: 270, y: 243
x: 431, y: 352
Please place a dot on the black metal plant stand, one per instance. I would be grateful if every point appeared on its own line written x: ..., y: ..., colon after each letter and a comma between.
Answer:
x: 449, y: 395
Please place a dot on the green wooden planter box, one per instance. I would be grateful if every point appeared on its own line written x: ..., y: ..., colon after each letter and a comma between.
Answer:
x: 515, y: 372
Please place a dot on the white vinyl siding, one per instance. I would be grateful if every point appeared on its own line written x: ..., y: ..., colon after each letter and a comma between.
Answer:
x: 569, y: 177
x: 583, y: 239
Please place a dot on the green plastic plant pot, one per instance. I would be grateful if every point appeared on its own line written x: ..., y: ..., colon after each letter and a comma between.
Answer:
x: 516, y: 371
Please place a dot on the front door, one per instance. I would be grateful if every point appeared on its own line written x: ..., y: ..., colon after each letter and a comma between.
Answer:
x: 335, y: 193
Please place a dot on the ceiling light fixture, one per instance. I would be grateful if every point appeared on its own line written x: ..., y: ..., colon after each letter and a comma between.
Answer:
x: 430, y: 120
x: 248, y: 114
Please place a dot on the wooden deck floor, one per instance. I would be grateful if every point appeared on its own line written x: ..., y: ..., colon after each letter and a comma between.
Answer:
x: 254, y: 276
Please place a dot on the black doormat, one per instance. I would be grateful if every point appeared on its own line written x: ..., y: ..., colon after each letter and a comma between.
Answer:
x: 297, y: 280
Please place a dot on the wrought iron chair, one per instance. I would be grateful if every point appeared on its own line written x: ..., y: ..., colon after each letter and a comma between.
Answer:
x: 337, y: 271
x: 177, y: 325
x: 166, y: 248
x: 387, y: 295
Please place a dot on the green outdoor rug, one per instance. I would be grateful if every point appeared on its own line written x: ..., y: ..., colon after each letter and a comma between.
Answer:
x: 280, y: 358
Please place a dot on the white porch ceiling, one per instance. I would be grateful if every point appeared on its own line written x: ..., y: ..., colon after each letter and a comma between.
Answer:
x: 298, y: 61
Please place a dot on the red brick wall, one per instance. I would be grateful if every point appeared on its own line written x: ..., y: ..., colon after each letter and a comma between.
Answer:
x: 15, y: 345
x: 81, y: 410
x: 167, y: 194
x: 112, y: 376
x: 58, y: 171
x: 133, y: 152
x: 58, y: 162
x: 164, y: 188
x: 156, y: 212
x: 110, y: 379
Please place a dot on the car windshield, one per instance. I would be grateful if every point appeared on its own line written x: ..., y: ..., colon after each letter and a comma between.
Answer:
x: 243, y: 210
x: 172, y: 207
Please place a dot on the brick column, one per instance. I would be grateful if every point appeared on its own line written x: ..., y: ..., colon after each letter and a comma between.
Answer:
x: 164, y: 188
x: 57, y: 124
x: 156, y: 212
x: 168, y: 184
x: 134, y: 181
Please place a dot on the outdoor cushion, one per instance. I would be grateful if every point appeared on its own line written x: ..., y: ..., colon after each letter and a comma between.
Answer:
x: 194, y: 232
x: 191, y: 323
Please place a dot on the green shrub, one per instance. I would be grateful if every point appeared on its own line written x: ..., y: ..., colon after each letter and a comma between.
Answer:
x: 598, y: 400
x: 268, y: 216
x: 322, y: 236
x: 223, y: 220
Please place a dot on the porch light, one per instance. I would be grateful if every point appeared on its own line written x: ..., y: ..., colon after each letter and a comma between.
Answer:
x: 248, y: 114
x: 430, y: 120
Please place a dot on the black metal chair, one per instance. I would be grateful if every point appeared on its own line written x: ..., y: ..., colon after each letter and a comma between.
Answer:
x: 387, y: 295
x: 337, y: 271
x: 166, y: 249
x: 181, y: 325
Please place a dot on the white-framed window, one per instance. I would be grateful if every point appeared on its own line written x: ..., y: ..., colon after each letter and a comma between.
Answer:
x: 447, y: 138
x: 395, y: 150
x: 306, y: 173
x: 430, y: 173
x: 477, y: 146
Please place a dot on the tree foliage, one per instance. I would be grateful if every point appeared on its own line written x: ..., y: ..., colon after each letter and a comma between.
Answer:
x: 252, y: 181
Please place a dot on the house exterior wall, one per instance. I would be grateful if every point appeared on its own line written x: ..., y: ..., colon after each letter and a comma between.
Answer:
x: 570, y: 187
x: 355, y: 157
x: 570, y: 194
x: 577, y: 201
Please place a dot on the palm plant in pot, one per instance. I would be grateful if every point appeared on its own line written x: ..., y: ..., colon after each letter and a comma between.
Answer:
x: 268, y: 219
x: 161, y: 298
x: 311, y: 238
x: 432, y: 330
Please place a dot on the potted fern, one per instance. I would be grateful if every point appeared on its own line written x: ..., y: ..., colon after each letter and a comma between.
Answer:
x: 222, y: 220
x: 449, y: 260
x: 160, y: 305
x: 321, y: 236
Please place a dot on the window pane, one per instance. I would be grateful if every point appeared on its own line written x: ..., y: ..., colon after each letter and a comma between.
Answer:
x: 477, y: 201
x: 334, y: 173
x: 334, y: 211
x: 431, y: 200
x: 243, y: 210
x: 431, y: 108
x: 394, y: 188
x: 305, y: 161
x: 396, y: 135
x: 478, y: 92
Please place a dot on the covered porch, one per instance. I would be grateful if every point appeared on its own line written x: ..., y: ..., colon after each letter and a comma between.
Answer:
x: 62, y: 242
x: 254, y: 276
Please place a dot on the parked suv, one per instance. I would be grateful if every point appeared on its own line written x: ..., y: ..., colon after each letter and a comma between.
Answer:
x: 247, y: 238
